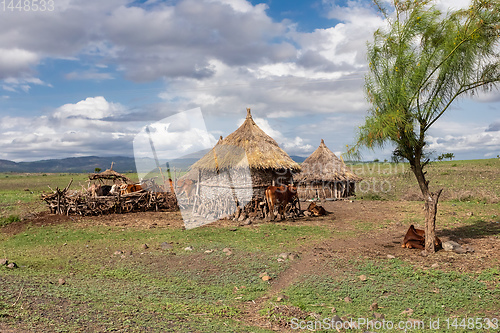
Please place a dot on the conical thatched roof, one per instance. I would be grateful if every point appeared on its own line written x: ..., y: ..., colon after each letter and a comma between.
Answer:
x: 324, y: 165
x: 262, y: 152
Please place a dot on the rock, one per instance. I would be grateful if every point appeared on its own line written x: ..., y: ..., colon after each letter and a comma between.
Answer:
x: 435, y: 265
x: 281, y: 298
x: 227, y: 251
x: 61, y: 282
x: 334, y: 310
x: 407, y: 312
x: 118, y: 252
x: 242, y: 217
x: 12, y: 265
x: 262, y: 274
x: 292, y: 256
x: 378, y: 315
x: 145, y: 246
x: 390, y: 256
x: 470, y: 214
x: 336, y: 319
x: 188, y: 248
x: 363, y: 278
x: 266, y: 278
x: 450, y: 246
x: 460, y: 250
x: 307, y: 213
x: 374, y: 306
x: 209, y: 251
x: 4, y: 262
x: 166, y: 246
x: 281, y: 260
x: 347, y: 299
x: 424, y: 253
x: 283, y: 255
x: 248, y: 221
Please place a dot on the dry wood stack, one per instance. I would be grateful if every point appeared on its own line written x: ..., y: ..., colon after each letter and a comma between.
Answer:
x: 70, y: 202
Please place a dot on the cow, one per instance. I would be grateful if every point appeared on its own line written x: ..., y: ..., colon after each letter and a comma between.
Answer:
x: 125, y: 188
x: 185, y: 186
x: 415, y: 239
x: 316, y: 210
x: 281, y: 196
x: 98, y: 190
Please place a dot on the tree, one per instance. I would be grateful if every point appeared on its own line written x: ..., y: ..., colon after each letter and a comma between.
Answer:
x: 96, y: 170
x: 421, y: 63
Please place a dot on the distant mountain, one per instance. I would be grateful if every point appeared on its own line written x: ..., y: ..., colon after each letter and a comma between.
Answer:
x: 298, y: 159
x: 85, y: 164
x: 88, y: 164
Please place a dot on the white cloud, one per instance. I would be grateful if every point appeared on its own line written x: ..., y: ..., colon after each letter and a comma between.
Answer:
x: 15, y: 61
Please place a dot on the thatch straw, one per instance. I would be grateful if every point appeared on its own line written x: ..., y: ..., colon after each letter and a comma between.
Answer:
x: 248, y: 146
x: 110, y: 174
x: 324, y: 165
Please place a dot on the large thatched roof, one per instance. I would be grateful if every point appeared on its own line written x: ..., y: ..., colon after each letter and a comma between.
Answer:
x: 247, y: 146
x: 324, y: 165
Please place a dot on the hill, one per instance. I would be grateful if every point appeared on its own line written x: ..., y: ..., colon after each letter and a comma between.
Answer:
x: 88, y: 164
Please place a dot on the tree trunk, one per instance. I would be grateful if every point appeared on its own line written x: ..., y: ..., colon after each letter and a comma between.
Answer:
x: 431, y: 202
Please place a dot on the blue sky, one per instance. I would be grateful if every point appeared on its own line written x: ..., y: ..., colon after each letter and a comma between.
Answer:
x: 85, y: 78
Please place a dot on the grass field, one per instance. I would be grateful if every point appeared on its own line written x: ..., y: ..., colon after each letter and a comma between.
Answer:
x: 112, y: 282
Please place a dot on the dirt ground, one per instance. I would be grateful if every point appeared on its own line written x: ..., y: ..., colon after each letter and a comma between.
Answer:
x: 383, y: 219
x: 376, y: 228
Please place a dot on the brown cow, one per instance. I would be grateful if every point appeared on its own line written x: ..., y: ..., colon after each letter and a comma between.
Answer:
x: 185, y: 186
x: 281, y: 196
x: 415, y: 239
x: 129, y: 188
x: 316, y: 210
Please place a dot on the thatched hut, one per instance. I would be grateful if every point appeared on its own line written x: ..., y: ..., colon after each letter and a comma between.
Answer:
x: 324, y: 175
x: 110, y: 174
x: 243, y: 165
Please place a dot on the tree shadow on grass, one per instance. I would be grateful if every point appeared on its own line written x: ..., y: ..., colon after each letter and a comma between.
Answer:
x: 479, y: 229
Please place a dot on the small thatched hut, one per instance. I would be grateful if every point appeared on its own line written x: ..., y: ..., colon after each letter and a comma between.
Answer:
x: 324, y: 175
x: 110, y: 174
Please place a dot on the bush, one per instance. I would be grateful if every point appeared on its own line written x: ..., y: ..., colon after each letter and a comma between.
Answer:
x: 7, y: 220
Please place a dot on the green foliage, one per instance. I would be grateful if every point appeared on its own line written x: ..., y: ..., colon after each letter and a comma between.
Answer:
x: 7, y: 220
x: 443, y: 156
x: 421, y: 64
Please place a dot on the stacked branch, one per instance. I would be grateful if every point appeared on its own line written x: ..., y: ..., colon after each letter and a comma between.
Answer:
x: 67, y: 202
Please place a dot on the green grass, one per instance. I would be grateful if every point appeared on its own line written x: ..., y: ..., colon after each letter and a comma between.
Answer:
x: 194, y: 291
x: 174, y: 290
x: 395, y: 286
x: 471, y: 180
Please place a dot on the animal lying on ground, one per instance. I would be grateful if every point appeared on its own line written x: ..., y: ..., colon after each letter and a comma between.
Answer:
x: 316, y: 210
x: 415, y: 239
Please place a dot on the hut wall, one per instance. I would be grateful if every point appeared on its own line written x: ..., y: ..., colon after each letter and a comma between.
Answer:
x: 326, y: 189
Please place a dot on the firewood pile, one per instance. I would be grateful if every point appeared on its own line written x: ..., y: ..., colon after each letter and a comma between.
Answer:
x: 71, y: 202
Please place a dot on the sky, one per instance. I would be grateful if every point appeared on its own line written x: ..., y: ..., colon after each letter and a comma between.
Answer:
x: 85, y: 77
